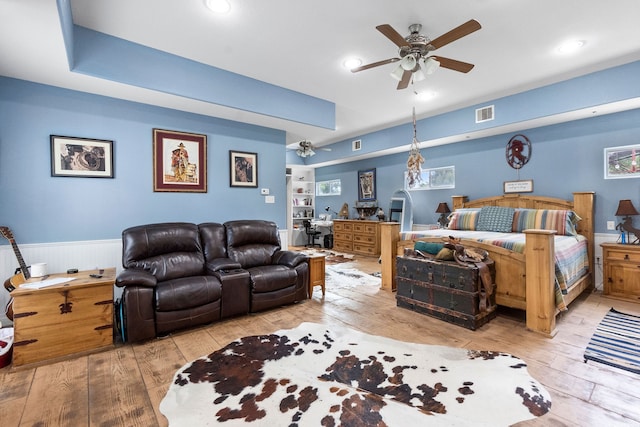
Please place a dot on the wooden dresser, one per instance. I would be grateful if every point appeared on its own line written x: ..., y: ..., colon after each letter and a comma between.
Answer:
x: 73, y: 317
x: 620, y: 276
x: 356, y: 236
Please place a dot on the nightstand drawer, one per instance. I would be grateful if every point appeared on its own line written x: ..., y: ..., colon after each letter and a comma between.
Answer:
x: 623, y: 255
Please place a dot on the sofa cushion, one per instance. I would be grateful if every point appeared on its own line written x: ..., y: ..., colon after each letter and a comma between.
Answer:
x: 252, y: 242
x: 187, y: 292
x: 268, y: 278
x: 214, y: 240
x: 167, y: 250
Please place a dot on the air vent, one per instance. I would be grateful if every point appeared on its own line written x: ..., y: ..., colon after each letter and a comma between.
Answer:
x: 484, y: 114
x: 356, y: 145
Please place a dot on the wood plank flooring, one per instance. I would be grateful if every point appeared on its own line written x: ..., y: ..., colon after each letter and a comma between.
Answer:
x: 124, y: 386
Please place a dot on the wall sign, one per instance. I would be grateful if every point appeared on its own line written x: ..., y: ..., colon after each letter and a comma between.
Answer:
x: 524, y: 186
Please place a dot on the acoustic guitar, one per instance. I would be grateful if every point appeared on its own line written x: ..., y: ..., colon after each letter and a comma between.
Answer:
x: 22, y: 273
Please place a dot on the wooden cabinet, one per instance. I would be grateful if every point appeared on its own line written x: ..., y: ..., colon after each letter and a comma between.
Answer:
x: 356, y: 236
x: 621, y: 271
x: 316, y: 273
x: 71, y: 317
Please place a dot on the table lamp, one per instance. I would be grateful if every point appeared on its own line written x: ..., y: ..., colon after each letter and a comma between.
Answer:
x: 443, y: 210
x: 627, y: 210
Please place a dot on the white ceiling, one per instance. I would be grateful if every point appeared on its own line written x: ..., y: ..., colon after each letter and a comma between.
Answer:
x: 300, y: 45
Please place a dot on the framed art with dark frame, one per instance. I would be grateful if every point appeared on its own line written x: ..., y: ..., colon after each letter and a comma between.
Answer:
x: 243, y: 169
x: 366, y: 185
x: 179, y: 161
x: 81, y: 157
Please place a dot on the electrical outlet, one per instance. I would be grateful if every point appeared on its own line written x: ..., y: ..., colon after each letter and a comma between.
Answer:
x: 611, y: 225
x: 597, y: 260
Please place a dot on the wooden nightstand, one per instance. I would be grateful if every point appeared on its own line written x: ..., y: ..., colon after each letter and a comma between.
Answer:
x: 316, y: 273
x: 621, y: 271
x: 72, y: 317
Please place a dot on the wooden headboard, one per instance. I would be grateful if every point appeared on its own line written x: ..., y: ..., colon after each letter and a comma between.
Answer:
x: 582, y: 205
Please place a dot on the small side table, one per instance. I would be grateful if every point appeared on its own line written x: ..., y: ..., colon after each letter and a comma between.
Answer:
x: 316, y: 273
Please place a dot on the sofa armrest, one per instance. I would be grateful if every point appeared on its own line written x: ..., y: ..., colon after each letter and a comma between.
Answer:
x: 218, y: 264
x: 289, y: 258
x: 136, y: 277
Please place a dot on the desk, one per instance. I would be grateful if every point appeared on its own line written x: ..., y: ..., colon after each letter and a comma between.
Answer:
x: 64, y: 319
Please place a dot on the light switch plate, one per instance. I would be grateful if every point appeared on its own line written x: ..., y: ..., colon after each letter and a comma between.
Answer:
x: 611, y: 225
x: 270, y: 199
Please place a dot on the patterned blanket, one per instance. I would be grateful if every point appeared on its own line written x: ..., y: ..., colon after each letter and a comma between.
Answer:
x: 313, y: 375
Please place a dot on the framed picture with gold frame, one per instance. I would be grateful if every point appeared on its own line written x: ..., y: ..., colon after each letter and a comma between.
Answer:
x: 179, y: 161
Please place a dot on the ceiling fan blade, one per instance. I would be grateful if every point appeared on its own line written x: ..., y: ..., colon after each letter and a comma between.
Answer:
x: 392, y: 35
x: 455, y: 34
x: 452, y: 64
x: 406, y: 78
x: 374, y: 64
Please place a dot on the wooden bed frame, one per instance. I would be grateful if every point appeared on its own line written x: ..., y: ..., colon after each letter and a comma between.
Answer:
x: 524, y: 280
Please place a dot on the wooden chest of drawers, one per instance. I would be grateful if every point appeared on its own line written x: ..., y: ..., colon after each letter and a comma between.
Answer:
x: 64, y: 319
x: 356, y: 236
x: 621, y: 268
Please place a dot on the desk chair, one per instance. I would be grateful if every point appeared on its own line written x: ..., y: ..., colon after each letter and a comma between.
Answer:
x: 312, y: 234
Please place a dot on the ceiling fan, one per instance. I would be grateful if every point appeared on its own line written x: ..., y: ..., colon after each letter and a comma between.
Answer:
x: 306, y: 149
x: 415, y: 60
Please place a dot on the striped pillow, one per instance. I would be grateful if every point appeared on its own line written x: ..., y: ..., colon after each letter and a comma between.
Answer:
x: 562, y: 221
x: 464, y: 219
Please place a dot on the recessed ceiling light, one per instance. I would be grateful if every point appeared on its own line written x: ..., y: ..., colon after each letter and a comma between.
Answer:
x: 426, y: 95
x: 218, y: 6
x: 570, y: 46
x: 352, y: 63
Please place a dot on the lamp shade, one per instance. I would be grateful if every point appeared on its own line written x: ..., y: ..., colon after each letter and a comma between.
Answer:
x: 443, y: 208
x: 626, y: 208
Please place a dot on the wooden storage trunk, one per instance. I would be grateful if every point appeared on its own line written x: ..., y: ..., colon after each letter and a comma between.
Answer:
x: 447, y: 290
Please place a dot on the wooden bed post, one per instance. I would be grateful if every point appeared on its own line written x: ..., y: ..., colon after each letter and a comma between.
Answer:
x: 540, y: 281
x: 389, y: 238
x: 583, y: 205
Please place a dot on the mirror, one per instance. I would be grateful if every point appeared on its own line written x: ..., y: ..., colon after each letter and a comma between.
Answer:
x: 401, y: 210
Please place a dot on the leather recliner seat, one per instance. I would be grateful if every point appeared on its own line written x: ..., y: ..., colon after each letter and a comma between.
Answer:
x: 178, y: 275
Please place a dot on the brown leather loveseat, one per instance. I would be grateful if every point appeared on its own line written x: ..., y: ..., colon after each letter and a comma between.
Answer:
x: 178, y: 275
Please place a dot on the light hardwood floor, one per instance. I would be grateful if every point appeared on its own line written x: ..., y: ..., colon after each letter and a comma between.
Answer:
x: 124, y: 386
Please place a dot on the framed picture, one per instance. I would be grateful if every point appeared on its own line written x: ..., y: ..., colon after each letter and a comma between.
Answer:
x: 243, y: 169
x: 523, y: 186
x: 433, y: 179
x: 622, y: 162
x: 81, y: 157
x: 366, y: 185
x: 179, y: 161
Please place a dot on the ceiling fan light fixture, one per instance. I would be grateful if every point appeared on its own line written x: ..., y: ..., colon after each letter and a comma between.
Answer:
x: 430, y: 65
x: 408, y: 63
x: 397, y: 73
x: 419, y: 75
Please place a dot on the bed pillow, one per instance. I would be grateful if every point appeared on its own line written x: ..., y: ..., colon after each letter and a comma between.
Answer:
x: 562, y: 221
x: 495, y: 218
x: 464, y: 219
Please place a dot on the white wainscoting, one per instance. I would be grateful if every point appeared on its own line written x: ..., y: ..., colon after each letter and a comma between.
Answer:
x: 61, y: 256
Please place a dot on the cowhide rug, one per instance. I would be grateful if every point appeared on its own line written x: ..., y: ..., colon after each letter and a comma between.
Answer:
x: 314, y: 375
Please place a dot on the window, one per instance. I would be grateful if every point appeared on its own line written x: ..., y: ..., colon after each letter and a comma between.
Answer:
x: 329, y: 188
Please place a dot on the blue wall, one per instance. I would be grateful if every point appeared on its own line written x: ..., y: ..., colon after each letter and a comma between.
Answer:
x: 39, y: 208
x: 565, y: 158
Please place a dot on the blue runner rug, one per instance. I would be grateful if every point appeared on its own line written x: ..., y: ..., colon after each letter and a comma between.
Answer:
x: 616, y: 342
